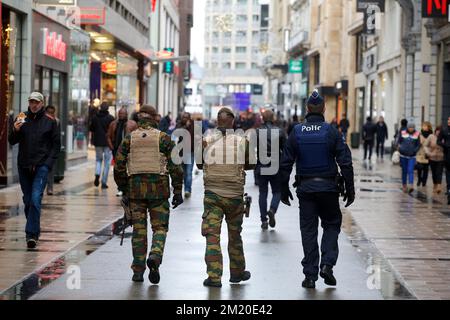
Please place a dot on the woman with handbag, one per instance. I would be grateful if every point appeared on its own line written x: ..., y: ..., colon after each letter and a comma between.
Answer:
x: 422, y: 158
x: 409, y: 144
x: 435, y: 155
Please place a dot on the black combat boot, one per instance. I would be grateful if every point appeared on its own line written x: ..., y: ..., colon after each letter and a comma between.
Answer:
x: 153, y: 264
x: 97, y: 180
x: 243, y: 277
x: 264, y: 225
x: 309, y: 283
x: 138, y: 277
x: 210, y: 283
x: 326, y: 272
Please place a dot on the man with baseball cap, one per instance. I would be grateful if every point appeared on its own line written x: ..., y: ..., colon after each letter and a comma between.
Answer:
x: 39, y: 139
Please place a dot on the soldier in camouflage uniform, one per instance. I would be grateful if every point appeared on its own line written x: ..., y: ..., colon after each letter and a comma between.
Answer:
x: 224, y: 190
x: 142, y: 170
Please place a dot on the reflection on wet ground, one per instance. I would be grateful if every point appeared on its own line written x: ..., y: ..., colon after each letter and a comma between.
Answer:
x: 384, y: 278
x: 51, y: 272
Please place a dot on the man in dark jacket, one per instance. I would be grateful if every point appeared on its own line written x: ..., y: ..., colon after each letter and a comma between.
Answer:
x: 99, y: 129
x: 164, y: 124
x: 369, y: 131
x: 344, y: 125
x: 267, y: 162
x: 39, y: 140
x: 382, y: 136
x: 443, y: 140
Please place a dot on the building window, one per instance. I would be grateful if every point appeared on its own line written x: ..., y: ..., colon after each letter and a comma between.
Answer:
x: 241, y: 34
x: 319, y: 15
x: 226, y: 50
x: 226, y: 65
x: 241, y: 18
x: 241, y: 49
x: 361, y: 47
x: 242, y: 2
x: 317, y: 69
x: 254, y: 65
x: 255, y: 18
x: 215, y: 50
x: 241, y: 65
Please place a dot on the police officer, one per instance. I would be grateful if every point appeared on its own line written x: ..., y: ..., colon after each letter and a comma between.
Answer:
x: 317, y: 149
x: 143, y: 166
x: 224, y: 182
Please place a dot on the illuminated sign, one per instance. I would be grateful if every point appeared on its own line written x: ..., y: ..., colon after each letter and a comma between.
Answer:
x: 168, y: 66
x: 371, y: 10
x: 92, y: 16
x: 110, y: 67
x: 53, y: 45
x: 435, y: 8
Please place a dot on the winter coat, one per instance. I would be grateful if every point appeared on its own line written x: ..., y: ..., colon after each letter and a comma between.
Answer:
x: 99, y: 128
x: 409, y: 144
x: 434, y: 151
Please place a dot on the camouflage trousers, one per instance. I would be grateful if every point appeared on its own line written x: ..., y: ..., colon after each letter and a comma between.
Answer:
x: 215, y: 209
x: 159, y: 220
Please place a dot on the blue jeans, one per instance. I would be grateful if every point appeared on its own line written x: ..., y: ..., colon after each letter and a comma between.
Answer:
x: 33, y: 186
x: 103, y: 154
x: 187, y: 171
x: 407, y: 170
x: 264, y: 192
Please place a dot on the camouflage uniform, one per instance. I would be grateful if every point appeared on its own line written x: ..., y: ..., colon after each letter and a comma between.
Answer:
x: 216, y: 208
x: 224, y: 198
x: 148, y: 192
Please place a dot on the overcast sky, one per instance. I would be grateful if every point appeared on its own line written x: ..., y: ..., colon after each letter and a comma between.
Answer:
x: 198, y: 38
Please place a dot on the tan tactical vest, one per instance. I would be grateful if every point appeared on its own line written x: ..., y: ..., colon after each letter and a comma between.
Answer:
x: 145, y: 157
x: 227, y: 179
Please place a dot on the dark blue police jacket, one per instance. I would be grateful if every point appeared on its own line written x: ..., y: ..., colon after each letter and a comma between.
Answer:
x: 317, y: 148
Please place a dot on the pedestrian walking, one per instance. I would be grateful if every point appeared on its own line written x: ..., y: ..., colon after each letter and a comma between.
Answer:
x: 265, y: 137
x: 187, y: 153
x: 382, y: 136
x: 117, y: 130
x: 292, y: 124
x: 103, y: 153
x: 51, y: 111
x: 409, y: 144
x: 39, y: 140
x: 421, y: 157
x: 369, y: 132
x: 444, y: 141
x: 403, y: 127
x: 435, y: 154
x: 224, y: 182
x: 318, y: 149
x: 142, y: 170
x: 165, y: 123
x: 344, y: 125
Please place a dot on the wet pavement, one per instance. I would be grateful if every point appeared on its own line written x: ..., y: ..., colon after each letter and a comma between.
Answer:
x: 75, y: 213
x: 410, y: 231
x: 393, y: 246
x: 272, y: 256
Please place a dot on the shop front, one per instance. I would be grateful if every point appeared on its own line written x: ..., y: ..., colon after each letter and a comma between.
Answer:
x: 114, y: 74
x: 10, y: 84
x: 51, y: 65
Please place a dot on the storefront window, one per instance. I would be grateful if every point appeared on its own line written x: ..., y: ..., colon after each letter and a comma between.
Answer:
x: 77, y: 128
x: 10, y: 80
x: 127, y: 81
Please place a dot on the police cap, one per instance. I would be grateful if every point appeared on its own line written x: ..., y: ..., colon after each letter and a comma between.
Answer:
x: 315, y: 99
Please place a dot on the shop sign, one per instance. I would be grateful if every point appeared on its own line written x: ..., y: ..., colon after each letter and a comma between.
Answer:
x: 53, y: 45
x: 435, y: 8
x: 65, y: 3
x: 109, y: 67
x: 92, y: 16
x: 296, y: 66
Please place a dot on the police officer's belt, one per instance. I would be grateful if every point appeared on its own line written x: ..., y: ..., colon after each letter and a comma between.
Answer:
x: 319, y: 179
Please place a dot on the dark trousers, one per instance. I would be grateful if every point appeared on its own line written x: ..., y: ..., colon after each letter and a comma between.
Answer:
x: 323, y: 205
x: 368, y: 147
x: 264, y: 192
x: 447, y: 175
x: 380, y: 147
x: 437, y: 169
x: 33, y: 185
x: 422, y: 174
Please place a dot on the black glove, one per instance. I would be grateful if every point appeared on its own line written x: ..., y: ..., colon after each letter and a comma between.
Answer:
x: 349, y: 197
x: 286, y: 194
x: 177, y: 200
